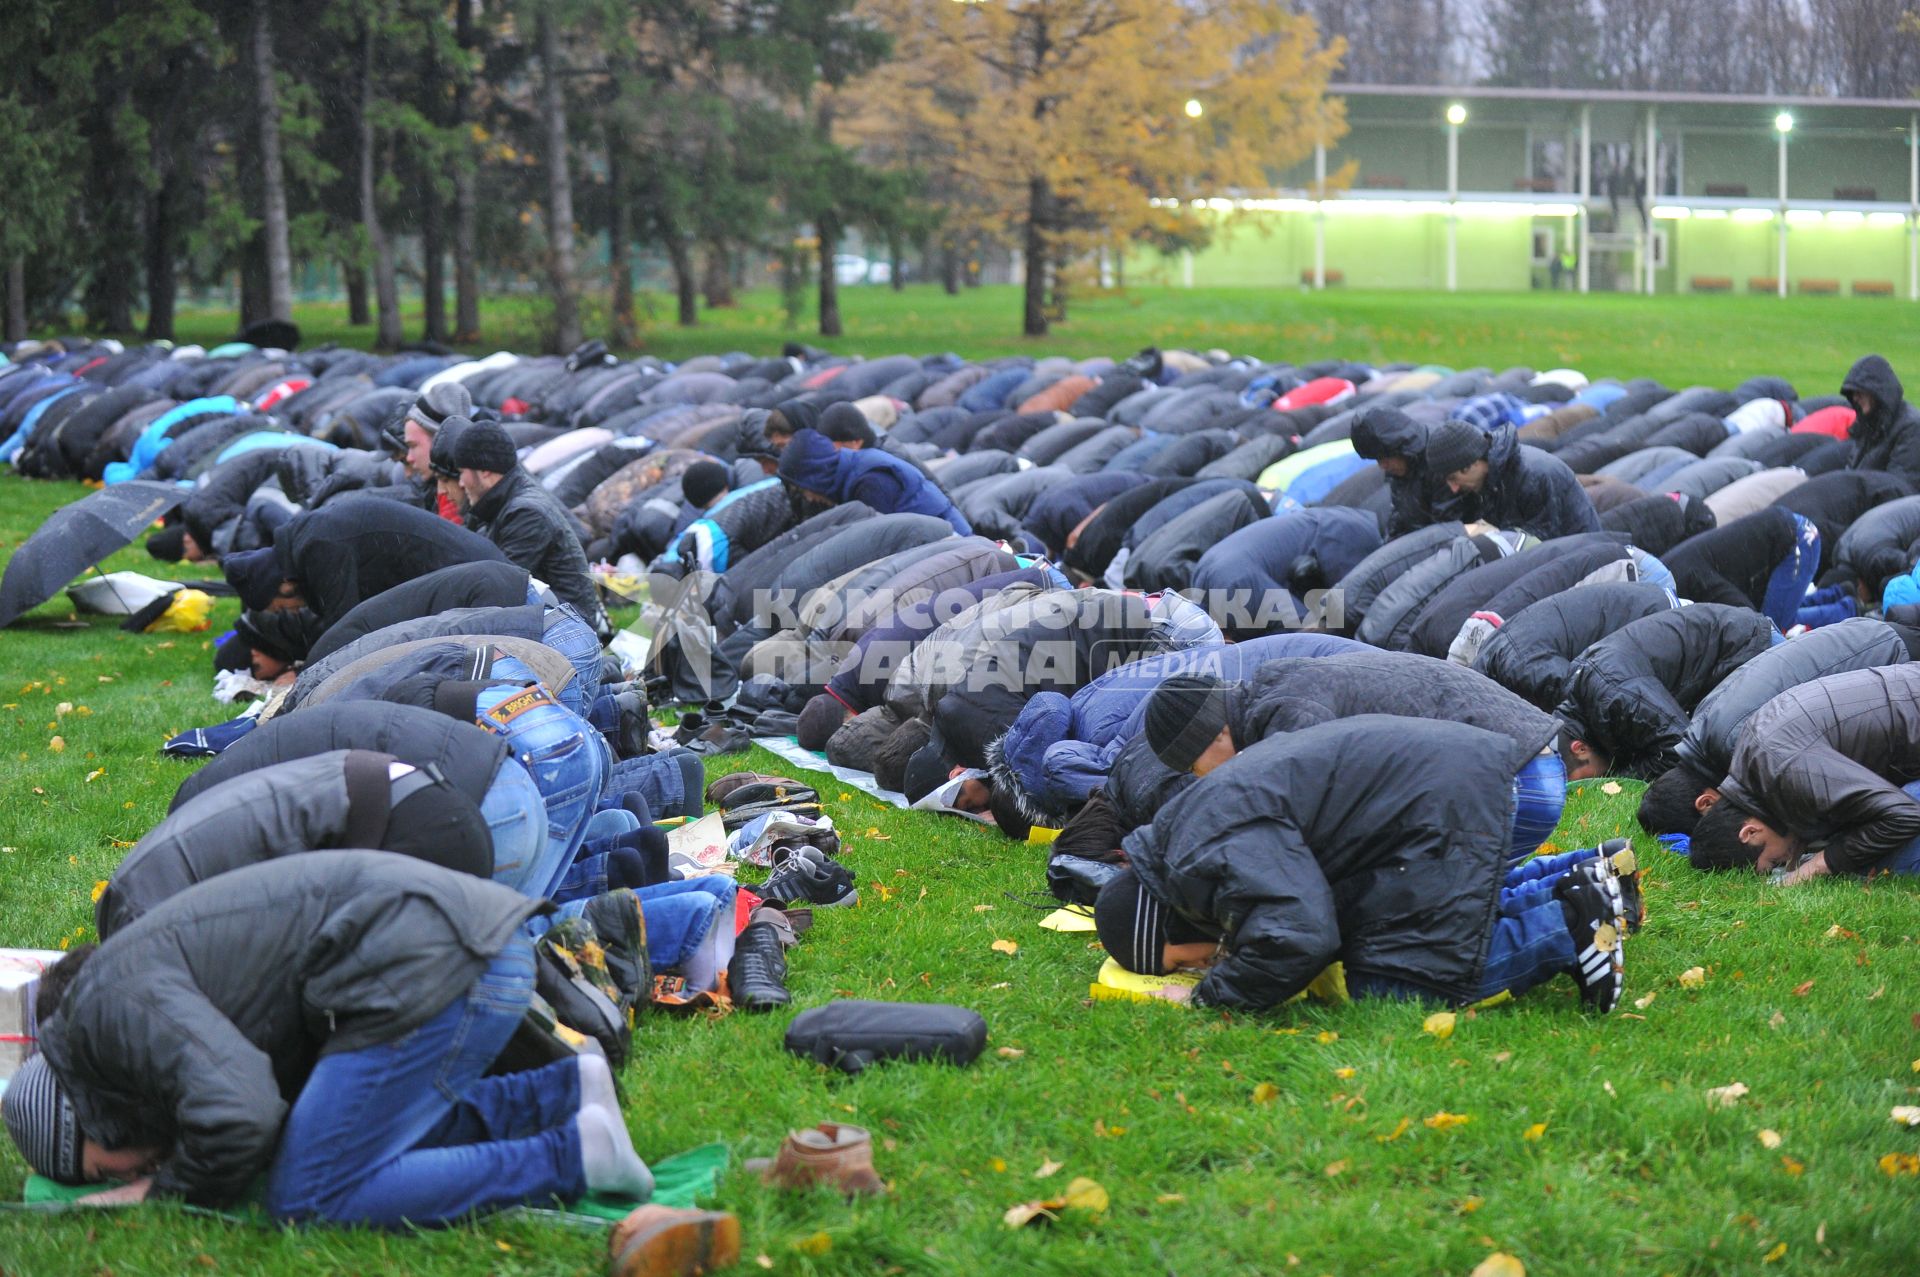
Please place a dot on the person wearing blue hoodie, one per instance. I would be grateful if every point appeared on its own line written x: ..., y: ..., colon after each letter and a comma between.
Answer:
x: 825, y: 475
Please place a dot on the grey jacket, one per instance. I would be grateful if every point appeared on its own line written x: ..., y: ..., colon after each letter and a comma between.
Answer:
x: 195, y: 1027
x: 1296, y: 693
x: 1826, y: 761
x: 1857, y: 644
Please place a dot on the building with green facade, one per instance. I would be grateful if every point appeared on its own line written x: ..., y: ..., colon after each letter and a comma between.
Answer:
x: 1514, y: 189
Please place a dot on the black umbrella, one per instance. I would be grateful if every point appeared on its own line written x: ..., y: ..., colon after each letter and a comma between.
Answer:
x: 76, y: 537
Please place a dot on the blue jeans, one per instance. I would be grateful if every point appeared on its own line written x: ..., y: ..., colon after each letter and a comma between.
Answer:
x: 673, y: 782
x: 678, y: 914
x: 574, y: 639
x: 413, y: 1132
x: 1787, y: 587
x: 1539, y: 796
x: 517, y: 817
x: 566, y: 758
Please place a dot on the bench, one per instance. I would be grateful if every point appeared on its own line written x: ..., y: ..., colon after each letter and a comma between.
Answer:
x: 1864, y: 194
x: 1727, y: 190
x: 1330, y: 275
x: 1763, y: 284
x: 1711, y: 283
x: 1873, y: 288
x: 1819, y: 287
x: 1383, y: 182
x: 1537, y: 185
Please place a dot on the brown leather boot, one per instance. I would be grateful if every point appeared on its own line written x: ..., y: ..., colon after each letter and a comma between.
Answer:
x: 830, y: 1153
x: 660, y: 1241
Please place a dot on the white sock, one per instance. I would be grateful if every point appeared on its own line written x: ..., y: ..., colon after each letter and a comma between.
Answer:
x: 607, y: 1159
x: 596, y: 1083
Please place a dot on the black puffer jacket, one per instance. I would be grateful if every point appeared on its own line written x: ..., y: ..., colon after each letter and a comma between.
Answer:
x: 1858, y: 644
x: 1437, y: 623
x: 360, y: 546
x: 1107, y: 530
x: 1630, y: 694
x: 467, y: 756
x: 1657, y: 524
x: 534, y: 530
x: 223, y: 495
x: 1418, y: 498
x: 1834, y: 500
x: 1881, y: 543
x: 343, y: 798
x: 1531, y: 654
x: 1826, y: 761
x: 465, y: 585
x: 1533, y: 491
x: 193, y: 1029
x: 1292, y: 694
x: 1733, y: 564
x: 1376, y: 841
x: 1888, y: 438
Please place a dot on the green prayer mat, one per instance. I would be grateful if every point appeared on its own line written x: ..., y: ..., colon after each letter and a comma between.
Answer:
x: 680, y: 1180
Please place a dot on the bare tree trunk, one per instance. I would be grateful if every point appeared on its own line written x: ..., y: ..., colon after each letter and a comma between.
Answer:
x: 163, y: 279
x: 273, y: 178
x: 390, y: 332
x: 433, y: 271
x: 16, y: 328
x: 466, y: 271
x: 717, y: 279
x: 896, y: 274
x: 253, y: 281
x: 359, y: 311
x: 620, y: 250
x: 829, y: 234
x: 1034, y: 318
x: 560, y: 271
x: 950, y: 269
x: 684, y: 284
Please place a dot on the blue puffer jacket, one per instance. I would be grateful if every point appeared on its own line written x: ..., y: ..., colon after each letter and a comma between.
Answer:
x: 881, y: 480
x: 1059, y: 750
x: 161, y: 432
x: 1251, y: 568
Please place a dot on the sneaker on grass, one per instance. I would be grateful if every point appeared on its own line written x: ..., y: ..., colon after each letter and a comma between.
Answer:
x: 809, y: 876
x: 1590, y: 897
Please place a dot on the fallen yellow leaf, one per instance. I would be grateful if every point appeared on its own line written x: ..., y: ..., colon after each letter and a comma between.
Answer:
x: 1439, y: 1024
x: 1010, y: 1053
x: 1901, y: 1163
x: 1693, y: 977
x: 1792, y: 1165
x: 1611, y: 788
x: 1087, y: 1195
x: 1400, y: 1128
x: 1501, y: 1264
x: 1642, y: 1004
x: 1726, y: 1096
x: 998, y: 1165
x: 1471, y: 1204
x: 1048, y: 1169
x: 765, y: 1261
x: 1337, y: 1168
x: 1344, y: 1074
x: 100, y: 889
x: 1533, y: 1133
x: 1774, y: 1254
x: 1907, y: 1115
x: 1769, y: 1139
x: 58, y: 744
x: 1445, y: 1121
x: 982, y: 908
x: 1265, y: 1093
x: 1169, y: 1199
x: 1023, y: 1214
x: 815, y: 1244
x: 1008, y: 947
x: 1802, y: 990
x: 1326, y: 1037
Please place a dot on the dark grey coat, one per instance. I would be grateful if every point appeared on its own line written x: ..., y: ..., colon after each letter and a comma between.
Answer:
x: 1291, y: 694
x: 194, y: 1028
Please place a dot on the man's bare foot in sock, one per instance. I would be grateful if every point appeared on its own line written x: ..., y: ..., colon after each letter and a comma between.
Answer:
x: 596, y: 1082
x: 607, y: 1159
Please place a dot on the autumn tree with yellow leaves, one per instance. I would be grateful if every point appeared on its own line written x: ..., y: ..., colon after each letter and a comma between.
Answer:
x: 1052, y: 123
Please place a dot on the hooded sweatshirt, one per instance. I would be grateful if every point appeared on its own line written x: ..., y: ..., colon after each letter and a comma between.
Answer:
x: 1888, y: 437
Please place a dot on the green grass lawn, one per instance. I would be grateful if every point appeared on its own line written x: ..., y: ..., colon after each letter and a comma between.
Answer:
x: 1681, y: 340
x: 1591, y: 1146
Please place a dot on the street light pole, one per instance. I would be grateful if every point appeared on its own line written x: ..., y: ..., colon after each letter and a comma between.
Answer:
x: 1782, y: 125
x: 1456, y: 116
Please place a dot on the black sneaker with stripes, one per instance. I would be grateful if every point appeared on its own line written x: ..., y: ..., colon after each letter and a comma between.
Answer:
x: 1590, y: 897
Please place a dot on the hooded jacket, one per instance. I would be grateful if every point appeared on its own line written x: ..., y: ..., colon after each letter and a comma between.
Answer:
x: 1881, y: 543
x: 1533, y: 651
x: 1533, y: 491
x: 1418, y: 498
x: 360, y: 546
x: 1380, y: 842
x: 1826, y: 761
x: 468, y: 756
x: 167, y: 1038
x: 1856, y: 644
x: 324, y: 802
x: 1360, y: 588
x: 465, y: 585
x: 1888, y: 438
x: 526, y: 622
x: 1165, y: 560
x: 1272, y: 564
x: 534, y: 530
x: 863, y: 676
x: 882, y: 481
x: 1833, y: 501
x: 1056, y: 512
x: 1657, y: 524
x: 1437, y: 622
x: 1059, y: 750
x: 1631, y: 693
x: 744, y: 520
x: 1732, y: 565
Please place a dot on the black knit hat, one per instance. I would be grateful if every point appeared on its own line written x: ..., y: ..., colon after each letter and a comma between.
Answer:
x: 41, y: 1120
x: 445, y: 440
x: 1132, y: 924
x: 277, y: 634
x: 169, y: 544
x: 1184, y: 714
x: 820, y: 719
x: 702, y: 482
x: 255, y: 576
x: 1453, y: 446
x: 485, y: 445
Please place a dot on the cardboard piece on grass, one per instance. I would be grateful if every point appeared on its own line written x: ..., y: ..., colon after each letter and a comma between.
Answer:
x: 20, y: 972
